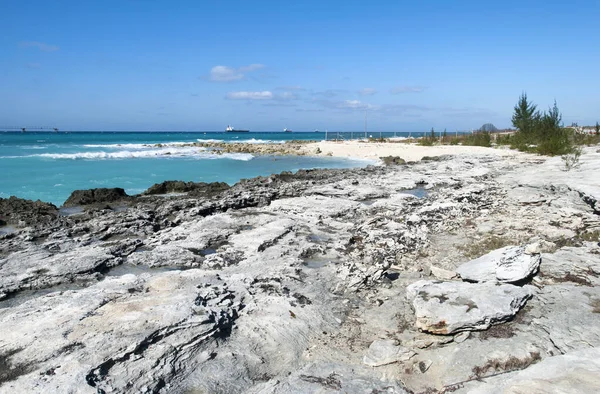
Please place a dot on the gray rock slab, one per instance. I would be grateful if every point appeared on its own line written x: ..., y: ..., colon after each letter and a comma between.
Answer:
x: 508, y: 265
x: 385, y: 351
x: 450, y: 307
x: 576, y: 372
x: 329, y: 378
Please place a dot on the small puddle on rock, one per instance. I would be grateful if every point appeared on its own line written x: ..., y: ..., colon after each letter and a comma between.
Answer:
x: 125, y: 269
x: 7, y: 230
x: 317, y: 238
x: 418, y: 192
x: 22, y: 296
x: 317, y: 262
x: 70, y: 211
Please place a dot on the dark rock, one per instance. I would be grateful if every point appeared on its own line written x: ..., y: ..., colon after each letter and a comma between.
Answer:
x: 15, y: 210
x: 436, y: 158
x: 196, y: 188
x: 96, y: 196
x: 393, y: 160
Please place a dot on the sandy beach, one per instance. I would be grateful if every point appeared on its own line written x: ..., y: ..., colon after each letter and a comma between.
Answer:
x: 409, y: 152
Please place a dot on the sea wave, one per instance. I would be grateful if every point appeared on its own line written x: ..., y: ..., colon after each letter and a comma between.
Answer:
x: 138, y: 146
x: 209, y: 140
x: 255, y: 141
x: 238, y: 141
x: 33, y: 147
x: 191, y: 152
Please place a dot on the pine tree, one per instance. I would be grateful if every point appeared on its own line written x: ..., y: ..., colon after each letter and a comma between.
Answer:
x: 525, y: 115
x: 432, y: 134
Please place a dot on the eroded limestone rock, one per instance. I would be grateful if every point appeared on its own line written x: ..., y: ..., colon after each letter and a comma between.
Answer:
x: 507, y: 265
x: 450, y: 307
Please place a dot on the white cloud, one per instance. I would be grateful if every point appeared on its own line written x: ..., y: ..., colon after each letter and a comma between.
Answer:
x: 407, y: 89
x: 39, y: 45
x: 367, y: 91
x: 228, y: 74
x: 224, y: 74
x: 264, y: 95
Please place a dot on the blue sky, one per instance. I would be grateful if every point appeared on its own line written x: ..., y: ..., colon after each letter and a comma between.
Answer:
x: 305, y: 65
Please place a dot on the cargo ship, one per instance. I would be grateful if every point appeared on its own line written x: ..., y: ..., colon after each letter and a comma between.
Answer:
x: 230, y: 129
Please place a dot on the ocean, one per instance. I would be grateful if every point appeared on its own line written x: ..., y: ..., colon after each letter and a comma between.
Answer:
x: 49, y: 165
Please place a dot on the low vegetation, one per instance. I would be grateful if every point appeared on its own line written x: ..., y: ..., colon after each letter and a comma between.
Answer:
x: 495, y: 366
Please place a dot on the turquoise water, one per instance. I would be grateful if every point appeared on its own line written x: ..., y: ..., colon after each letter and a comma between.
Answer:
x: 49, y: 166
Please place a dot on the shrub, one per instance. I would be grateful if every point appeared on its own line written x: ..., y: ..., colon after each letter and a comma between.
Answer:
x: 425, y: 141
x: 540, y: 132
x: 482, y: 138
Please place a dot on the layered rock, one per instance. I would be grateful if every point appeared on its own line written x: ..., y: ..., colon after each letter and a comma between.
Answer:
x: 506, y: 265
x: 450, y: 307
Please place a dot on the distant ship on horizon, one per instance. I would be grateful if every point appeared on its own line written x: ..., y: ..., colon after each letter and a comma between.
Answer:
x: 286, y: 130
x: 230, y: 129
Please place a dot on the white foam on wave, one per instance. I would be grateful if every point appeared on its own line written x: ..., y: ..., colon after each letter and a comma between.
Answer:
x: 138, y: 146
x: 33, y: 147
x: 193, y: 152
x: 238, y: 141
x: 209, y: 140
x: 255, y: 141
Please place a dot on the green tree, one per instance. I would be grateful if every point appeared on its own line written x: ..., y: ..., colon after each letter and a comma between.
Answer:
x: 597, y: 128
x: 432, y: 134
x: 525, y: 115
x: 551, y: 138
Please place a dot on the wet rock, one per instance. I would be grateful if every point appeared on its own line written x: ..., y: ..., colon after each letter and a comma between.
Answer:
x: 508, y: 265
x: 196, y: 188
x: 385, y: 351
x: 451, y: 307
x: 19, y: 211
x: 392, y: 160
x: 96, y: 196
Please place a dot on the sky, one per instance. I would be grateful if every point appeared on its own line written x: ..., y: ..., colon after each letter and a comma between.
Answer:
x: 305, y: 65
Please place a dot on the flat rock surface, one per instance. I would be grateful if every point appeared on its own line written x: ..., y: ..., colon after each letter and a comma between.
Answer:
x: 450, y: 307
x: 573, y: 373
x: 508, y: 265
x: 383, y: 352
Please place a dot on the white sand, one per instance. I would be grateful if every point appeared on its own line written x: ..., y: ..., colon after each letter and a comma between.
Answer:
x: 409, y: 152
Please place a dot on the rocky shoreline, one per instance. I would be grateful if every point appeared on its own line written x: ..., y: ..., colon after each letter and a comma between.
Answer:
x: 470, y: 273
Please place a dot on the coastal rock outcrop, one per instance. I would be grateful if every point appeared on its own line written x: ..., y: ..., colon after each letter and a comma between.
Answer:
x: 506, y: 265
x: 96, y: 196
x: 451, y: 307
x: 24, y: 212
x: 291, y: 282
x: 196, y: 188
